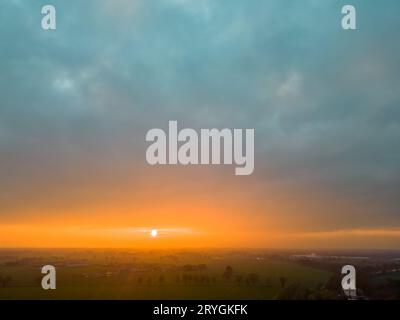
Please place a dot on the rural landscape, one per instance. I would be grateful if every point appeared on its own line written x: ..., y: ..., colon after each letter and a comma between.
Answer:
x: 178, y: 134
x: 196, y: 274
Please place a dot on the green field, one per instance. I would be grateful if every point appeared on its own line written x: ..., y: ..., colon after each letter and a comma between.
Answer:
x: 159, y: 276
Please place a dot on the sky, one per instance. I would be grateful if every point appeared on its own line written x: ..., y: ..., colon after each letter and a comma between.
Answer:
x: 76, y: 103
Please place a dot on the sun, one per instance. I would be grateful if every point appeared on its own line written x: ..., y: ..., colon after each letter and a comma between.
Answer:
x: 153, y: 233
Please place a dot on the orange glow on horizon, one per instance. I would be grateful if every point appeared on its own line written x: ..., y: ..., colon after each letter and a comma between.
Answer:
x: 200, y: 213
x: 53, y: 236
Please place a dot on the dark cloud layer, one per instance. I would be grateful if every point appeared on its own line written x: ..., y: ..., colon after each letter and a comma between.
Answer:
x: 324, y: 102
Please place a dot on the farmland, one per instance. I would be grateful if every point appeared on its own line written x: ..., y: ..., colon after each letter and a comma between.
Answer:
x: 130, y: 274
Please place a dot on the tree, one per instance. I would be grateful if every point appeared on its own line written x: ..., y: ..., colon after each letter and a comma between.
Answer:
x: 228, y: 272
x: 239, y: 279
x: 295, y: 291
x: 252, y: 279
x: 5, y: 281
x: 334, y: 284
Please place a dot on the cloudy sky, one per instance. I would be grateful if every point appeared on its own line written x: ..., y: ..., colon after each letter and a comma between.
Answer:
x: 76, y: 103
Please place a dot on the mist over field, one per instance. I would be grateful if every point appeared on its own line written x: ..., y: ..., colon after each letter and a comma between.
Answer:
x: 196, y: 274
